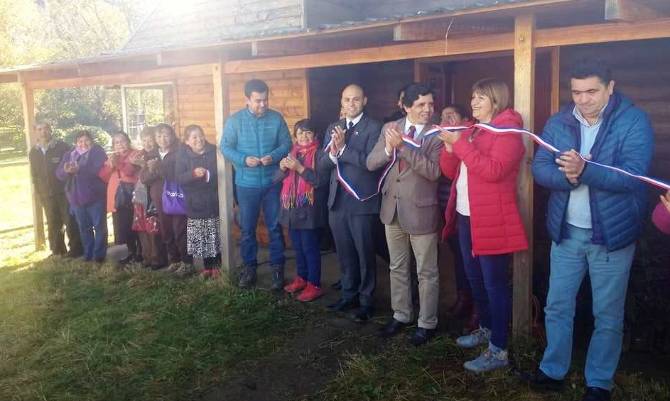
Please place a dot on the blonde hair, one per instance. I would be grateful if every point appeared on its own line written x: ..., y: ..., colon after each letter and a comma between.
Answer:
x: 496, y: 90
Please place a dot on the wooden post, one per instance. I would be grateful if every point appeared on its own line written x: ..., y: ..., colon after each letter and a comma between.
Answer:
x: 225, y: 172
x: 28, y: 102
x: 555, y: 79
x: 524, y: 101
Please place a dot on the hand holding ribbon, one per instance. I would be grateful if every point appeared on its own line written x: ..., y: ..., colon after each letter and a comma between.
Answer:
x: 572, y: 164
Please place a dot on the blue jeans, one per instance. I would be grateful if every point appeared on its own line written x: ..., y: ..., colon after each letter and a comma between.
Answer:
x: 92, y: 222
x: 488, y: 276
x: 251, y: 201
x: 307, y: 254
x: 571, y: 260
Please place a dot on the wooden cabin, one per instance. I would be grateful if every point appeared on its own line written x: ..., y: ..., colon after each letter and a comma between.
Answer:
x: 307, y: 50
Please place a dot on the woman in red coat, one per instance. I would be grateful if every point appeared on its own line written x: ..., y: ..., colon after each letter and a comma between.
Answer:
x: 482, y: 207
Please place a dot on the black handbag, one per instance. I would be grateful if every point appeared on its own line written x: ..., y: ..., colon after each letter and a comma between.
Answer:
x: 123, y: 198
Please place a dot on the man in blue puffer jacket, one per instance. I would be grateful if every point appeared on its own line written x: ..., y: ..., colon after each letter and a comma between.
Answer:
x: 594, y: 218
x: 255, y: 139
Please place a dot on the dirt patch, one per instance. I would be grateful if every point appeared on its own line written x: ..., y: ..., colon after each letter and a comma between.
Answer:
x: 304, y: 366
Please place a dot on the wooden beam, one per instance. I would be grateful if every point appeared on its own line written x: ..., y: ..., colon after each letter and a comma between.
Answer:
x: 225, y: 174
x: 140, y: 77
x: 524, y: 101
x: 628, y: 10
x: 555, y: 79
x: 346, y: 41
x: 107, y: 68
x: 469, y: 45
x: 420, y: 31
x: 188, y: 57
x: 9, y: 78
x: 602, y: 33
x: 28, y: 103
x: 47, y: 74
x: 585, y: 34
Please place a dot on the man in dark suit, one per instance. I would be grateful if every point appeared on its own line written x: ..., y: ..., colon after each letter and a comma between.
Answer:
x: 410, y: 212
x: 352, y: 220
x: 44, y: 159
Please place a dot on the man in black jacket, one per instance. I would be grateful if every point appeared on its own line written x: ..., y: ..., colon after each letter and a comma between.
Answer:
x: 352, y: 220
x: 44, y: 158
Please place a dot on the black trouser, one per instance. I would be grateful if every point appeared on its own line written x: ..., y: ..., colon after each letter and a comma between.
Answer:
x: 57, y: 211
x: 173, y: 231
x: 355, y: 243
x: 123, y: 230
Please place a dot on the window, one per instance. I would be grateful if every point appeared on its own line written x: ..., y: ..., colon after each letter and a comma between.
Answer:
x: 147, y: 104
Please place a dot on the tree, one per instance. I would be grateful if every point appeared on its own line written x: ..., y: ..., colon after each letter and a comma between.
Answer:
x: 51, y: 30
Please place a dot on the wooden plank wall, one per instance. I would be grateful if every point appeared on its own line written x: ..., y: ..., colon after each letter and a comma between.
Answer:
x: 641, y: 72
x: 195, y: 104
x: 289, y: 93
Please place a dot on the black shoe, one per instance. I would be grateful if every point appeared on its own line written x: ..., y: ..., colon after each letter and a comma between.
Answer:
x: 597, y: 394
x: 128, y: 259
x: 539, y: 381
x: 391, y: 328
x: 100, y: 260
x: 73, y: 255
x: 421, y: 336
x: 363, y: 314
x: 336, y: 285
x: 343, y: 305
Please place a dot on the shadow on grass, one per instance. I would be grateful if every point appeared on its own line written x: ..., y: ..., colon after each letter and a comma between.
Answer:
x: 75, y: 331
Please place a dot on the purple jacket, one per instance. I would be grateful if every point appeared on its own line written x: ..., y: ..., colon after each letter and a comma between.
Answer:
x: 84, y: 187
x: 661, y: 218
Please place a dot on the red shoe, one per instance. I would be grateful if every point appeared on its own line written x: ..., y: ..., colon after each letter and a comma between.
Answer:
x: 214, y: 273
x: 310, y: 293
x: 296, y: 285
x: 205, y: 273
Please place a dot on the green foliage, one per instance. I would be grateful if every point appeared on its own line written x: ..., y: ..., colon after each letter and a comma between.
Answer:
x: 100, y: 137
x: 33, y: 32
x: 86, y: 106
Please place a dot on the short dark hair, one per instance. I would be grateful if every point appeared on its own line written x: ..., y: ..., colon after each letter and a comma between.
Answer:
x: 191, y: 128
x: 255, y: 85
x: 167, y: 128
x: 305, y: 125
x: 82, y: 132
x: 591, y: 67
x: 46, y: 125
x: 123, y: 134
x: 148, y: 130
x: 460, y: 109
x: 413, y: 92
x: 401, y: 91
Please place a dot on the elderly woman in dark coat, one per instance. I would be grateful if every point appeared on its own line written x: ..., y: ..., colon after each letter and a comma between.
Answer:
x: 302, y: 210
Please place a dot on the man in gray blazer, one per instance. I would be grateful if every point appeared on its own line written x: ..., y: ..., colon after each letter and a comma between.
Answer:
x: 410, y: 211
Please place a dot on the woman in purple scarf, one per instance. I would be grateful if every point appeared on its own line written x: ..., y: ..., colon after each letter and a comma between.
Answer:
x: 86, y: 193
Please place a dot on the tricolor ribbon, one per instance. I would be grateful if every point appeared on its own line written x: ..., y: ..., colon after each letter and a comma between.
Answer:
x: 552, y: 148
x: 437, y: 129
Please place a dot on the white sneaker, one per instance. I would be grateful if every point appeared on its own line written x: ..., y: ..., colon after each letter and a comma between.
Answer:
x: 478, y: 337
x: 487, y: 361
x: 185, y: 270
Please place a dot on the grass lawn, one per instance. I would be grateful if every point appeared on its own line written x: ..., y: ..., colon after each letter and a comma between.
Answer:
x: 15, y: 206
x: 73, y: 331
